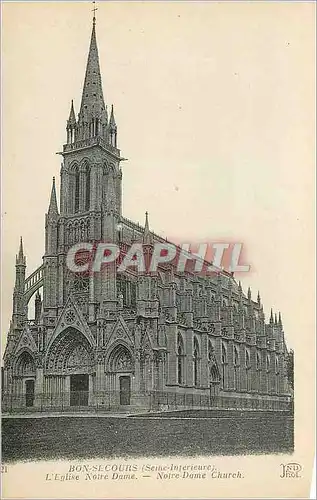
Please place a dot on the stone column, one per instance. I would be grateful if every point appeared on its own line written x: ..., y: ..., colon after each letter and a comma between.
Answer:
x: 243, y: 372
x: 253, y: 369
x: 91, y: 398
x: 91, y: 305
x: 137, y: 373
x: 171, y: 335
x: 100, y: 380
x: 204, y: 370
x: 67, y: 390
x: 230, y: 367
x: 39, y: 381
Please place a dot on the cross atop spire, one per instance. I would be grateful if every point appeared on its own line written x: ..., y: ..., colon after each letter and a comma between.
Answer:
x: 94, y: 11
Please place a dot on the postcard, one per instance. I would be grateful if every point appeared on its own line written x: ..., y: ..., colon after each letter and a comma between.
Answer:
x: 158, y: 268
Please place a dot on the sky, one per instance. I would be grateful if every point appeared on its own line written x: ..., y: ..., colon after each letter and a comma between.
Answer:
x: 214, y: 104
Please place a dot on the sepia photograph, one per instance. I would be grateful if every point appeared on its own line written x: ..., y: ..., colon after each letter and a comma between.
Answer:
x: 158, y: 249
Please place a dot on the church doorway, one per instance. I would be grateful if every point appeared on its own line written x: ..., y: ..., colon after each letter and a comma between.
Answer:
x: 125, y: 390
x: 29, y: 393
x: 79, y: 390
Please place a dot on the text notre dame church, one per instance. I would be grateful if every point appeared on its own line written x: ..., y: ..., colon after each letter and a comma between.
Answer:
x: 125, y: 341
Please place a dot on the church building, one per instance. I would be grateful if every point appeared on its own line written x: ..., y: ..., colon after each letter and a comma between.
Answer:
x: 128, y: 341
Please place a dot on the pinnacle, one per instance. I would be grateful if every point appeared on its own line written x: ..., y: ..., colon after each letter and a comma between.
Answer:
x: 72, y: 118
x: 53, y: 209
x: 147, y: 236
x: 20, y: 258
x: 112, y: 121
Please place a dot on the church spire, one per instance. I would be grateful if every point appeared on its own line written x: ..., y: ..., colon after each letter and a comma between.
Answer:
x: 92, y: 110
x: 53, y: 209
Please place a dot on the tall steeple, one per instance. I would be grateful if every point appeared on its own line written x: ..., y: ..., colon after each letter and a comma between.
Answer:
x: 92, y: 118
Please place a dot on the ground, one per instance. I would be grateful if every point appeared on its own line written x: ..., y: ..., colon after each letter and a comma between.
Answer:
x: 191, y: 433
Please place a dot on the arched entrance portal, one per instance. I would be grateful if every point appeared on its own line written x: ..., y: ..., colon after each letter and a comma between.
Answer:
x: 69, y: 369
x: 120, y: 373
x: 24, y: 379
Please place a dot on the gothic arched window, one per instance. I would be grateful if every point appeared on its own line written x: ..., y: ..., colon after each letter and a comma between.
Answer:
x: 180, y: 360
x: 277, y: 372
x: 276, y: 365
x: 87, y: 188
x: 76, y: 197
x: 258, y: 361
x: 268, y: 370
x: 258, y: 370
x: 224, y: 365
x: 236, y: 368
x: 210, y: 352
x: 196, y: 362
x: 248, y: 369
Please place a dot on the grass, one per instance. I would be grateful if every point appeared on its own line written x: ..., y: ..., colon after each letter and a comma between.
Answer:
x: 109, y: 437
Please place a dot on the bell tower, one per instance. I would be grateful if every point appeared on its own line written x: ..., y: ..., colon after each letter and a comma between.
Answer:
x: 90, y: 173
x: 90, y: 198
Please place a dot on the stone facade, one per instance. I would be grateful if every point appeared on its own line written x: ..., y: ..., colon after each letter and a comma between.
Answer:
x: 117, y: 340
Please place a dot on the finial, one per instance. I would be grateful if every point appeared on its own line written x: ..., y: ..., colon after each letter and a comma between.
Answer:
x: 275, y: 318
x: 94, y: 11
x: 53, y: 209
x: 280, y: 319
x: 271, y: 317
x: 259, y: 298
x: 21, y: 248
x: 240, y: 286
x: 112, y: 121
x: 20, y: 258
x: 72, y: 117
x: 249, y: 293
x: 147, y: 237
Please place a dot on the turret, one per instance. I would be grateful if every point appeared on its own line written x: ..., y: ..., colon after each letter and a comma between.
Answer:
x: 19, y: 313
x: 112, y: 129
x: 38, y: 306
x: 71, y: 125
x: 51, y: 220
